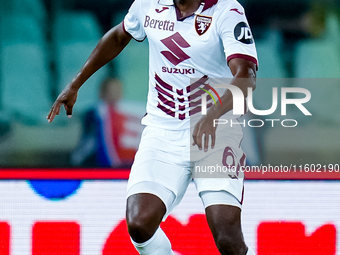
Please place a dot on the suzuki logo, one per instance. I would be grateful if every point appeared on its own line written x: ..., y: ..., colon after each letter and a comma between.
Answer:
x: 173, y: 43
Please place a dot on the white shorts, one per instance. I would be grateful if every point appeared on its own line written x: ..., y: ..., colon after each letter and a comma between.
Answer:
x: 166, y: 162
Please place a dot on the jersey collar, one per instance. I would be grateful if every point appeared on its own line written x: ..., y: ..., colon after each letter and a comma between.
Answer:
x: 208, y: 4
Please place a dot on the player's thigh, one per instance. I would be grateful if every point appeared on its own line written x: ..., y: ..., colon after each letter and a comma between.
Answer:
x: 225, y: 224
x: 169, y: 194
x: 162, y: 157
x: 222, y: 196
x: 139, y: 196
x: 161, y: 167
x: 221, y: 179
x: 223, y: 212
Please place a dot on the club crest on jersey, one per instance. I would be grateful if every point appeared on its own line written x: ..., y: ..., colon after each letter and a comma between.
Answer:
x: 202, y: 24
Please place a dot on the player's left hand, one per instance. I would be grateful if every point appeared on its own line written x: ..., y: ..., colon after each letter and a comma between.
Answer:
x: 205, y: 126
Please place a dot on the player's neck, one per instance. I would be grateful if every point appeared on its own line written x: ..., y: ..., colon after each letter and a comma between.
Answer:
x: 187, y: 7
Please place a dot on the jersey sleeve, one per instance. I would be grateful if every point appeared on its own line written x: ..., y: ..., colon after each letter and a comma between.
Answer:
x: 235, y: 33
x: 132, y: 22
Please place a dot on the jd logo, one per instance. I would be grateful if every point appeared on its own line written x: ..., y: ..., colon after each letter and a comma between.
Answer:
x: 243, y: 34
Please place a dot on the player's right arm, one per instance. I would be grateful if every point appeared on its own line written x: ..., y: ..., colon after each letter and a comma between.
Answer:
x: 110, y: 45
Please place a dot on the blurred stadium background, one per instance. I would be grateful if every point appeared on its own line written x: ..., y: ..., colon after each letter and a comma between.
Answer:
x: 43, y: 43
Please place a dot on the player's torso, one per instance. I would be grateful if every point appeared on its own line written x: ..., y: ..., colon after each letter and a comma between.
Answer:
x: 180, y: 50
x: 180, y: 45
x: 191, y: 46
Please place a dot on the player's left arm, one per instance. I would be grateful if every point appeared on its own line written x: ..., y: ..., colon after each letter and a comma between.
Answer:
x: 244, y: 73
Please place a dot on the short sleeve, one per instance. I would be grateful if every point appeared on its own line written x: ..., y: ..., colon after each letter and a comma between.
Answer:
x: 132, y: 22
x: 236, y: 35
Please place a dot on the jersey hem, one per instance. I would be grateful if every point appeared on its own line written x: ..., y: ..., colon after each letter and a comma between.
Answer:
x: 246, y: 57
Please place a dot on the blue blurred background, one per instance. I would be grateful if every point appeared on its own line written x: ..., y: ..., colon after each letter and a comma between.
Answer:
x: 43, y: 43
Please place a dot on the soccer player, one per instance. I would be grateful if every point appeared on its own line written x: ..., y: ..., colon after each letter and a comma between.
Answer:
x: 187, y: 39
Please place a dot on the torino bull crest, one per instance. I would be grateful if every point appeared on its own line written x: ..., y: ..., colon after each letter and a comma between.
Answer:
x: 202, y: 24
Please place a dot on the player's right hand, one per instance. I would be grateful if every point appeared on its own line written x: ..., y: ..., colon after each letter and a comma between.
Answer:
x: 67, y: 98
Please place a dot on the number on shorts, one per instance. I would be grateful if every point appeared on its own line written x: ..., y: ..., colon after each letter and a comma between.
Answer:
x: 229, y: 161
